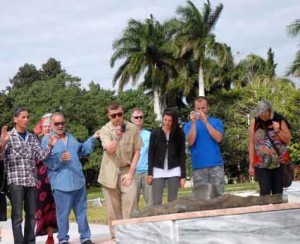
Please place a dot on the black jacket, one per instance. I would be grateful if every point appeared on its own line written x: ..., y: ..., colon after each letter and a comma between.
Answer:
x: 176, y: 150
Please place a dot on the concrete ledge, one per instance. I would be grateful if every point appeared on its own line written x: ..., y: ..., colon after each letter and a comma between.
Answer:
x: 209, y: 213
x: 276, y: 224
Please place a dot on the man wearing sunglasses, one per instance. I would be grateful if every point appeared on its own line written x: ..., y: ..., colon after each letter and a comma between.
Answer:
x: 121, y: 142
x: 137, y: 118
x: 67, y: 179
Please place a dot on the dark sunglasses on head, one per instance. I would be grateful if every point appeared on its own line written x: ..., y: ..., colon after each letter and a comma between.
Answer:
x: 59, y: 123
x: 138, y: 117
x: 113, y: 116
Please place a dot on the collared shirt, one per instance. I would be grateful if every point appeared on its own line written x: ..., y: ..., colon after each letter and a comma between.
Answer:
x: 19, y: 158
x: 111, y: 163
x: 67, y: 175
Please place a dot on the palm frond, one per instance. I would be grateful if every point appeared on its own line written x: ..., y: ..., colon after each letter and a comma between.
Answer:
x: 214, y: 17
x: 294, y: 69
x: 294, y: 28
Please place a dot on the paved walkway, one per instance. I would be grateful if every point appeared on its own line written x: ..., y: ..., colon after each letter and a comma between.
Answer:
x: 100, y: 234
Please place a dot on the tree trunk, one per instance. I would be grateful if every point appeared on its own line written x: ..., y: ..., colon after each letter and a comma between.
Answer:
x: 201, y: 82
x: 157, y: 106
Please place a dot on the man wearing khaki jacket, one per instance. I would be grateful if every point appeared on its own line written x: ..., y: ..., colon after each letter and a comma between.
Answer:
x: 121, y: 143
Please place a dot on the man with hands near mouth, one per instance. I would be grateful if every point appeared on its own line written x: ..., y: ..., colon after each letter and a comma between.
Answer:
x: 121, y: 142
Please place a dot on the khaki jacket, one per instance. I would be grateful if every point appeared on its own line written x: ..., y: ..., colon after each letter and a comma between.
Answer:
x: 112, y: 164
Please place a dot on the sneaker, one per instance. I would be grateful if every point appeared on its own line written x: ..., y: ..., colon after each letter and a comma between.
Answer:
x: 88, y: 242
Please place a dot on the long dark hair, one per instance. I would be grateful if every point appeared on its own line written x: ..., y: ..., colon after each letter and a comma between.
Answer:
x: 172, y: 113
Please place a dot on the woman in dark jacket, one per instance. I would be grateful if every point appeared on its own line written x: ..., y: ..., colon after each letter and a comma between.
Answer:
x: 166, y: 158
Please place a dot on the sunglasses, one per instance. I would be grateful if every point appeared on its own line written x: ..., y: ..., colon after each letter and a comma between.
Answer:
x: 59, y: 123
x: 113, y: 116
x: 138, y: 117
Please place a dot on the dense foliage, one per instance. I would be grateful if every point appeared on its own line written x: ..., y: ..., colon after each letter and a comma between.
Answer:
x: 172, y: 56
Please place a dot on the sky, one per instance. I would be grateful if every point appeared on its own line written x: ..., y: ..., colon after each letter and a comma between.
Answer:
x: 80, y: 33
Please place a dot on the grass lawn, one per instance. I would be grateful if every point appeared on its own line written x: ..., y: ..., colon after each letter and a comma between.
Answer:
x: 98, y: 214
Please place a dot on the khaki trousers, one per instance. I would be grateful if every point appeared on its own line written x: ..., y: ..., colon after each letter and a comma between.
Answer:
x: 120, y: 202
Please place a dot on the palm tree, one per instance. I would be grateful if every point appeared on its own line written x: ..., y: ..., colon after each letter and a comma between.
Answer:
x: 255, y: 68
x: 294, y: 31
x: 145, y: 49
x: 194, y: 38
x: 294, y: 28
x: 270, y: 64
x: 294, y: 69
x: 218, y: 76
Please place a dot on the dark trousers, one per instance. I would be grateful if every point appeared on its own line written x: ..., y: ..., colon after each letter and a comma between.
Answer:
x: 3, y: 207
x: 19, y: 195
x: 269, y: 180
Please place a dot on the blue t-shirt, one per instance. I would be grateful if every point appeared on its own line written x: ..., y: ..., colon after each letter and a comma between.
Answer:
x: 142, y: 166
x: 205, y: 151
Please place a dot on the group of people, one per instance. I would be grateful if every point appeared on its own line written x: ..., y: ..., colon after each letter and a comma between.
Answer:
x: 136, y: 160
x: 46, y: 176
x: 25, y: 158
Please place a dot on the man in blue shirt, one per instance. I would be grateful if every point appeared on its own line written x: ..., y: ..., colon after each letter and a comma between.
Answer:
x: 67, y: 179
x: 137, y: 118
x: 203, y: 134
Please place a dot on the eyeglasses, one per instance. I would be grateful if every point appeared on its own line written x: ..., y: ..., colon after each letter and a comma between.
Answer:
x: 113, y: 116
x: 59, y: 123
x: 138, y: 117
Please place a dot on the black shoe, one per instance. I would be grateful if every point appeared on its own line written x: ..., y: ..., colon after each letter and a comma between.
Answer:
x: 88, y: 242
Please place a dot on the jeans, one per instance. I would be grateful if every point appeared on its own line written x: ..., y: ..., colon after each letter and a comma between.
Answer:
x: 65, y: 201
x: 269, y: 180
x: 18, y: 195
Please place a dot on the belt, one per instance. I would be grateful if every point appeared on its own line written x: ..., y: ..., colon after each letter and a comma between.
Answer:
x: 124, y: 168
